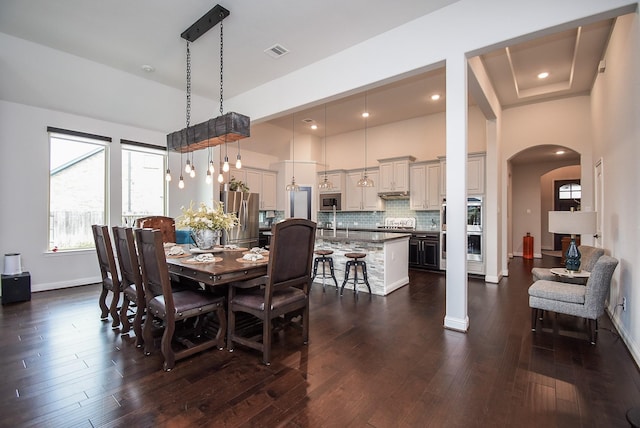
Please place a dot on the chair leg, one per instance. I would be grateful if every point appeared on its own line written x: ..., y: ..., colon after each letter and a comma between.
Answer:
x: 305, y: 324
x: 266, y: 341
x: 167, y: 350
x: 137, y: 325
x: 104, y: 310
x: 315, y: 269
x: 346, y: 276
x: 126, y: 325
x: 593, y: 331
x: 222, y: 331
x: 333, y: 274
x: 534, y: 318
x: 147, y: 334
x: 113, y: 310
x: 364, y: 275
x: 231, y: 328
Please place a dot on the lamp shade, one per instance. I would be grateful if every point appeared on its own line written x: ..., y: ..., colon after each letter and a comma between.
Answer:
x: 572, y: 222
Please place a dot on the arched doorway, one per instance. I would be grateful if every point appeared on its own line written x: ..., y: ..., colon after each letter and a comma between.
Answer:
x: 531, y: 194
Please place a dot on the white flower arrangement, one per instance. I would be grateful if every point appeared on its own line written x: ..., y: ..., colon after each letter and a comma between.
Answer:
x: 205, y: 217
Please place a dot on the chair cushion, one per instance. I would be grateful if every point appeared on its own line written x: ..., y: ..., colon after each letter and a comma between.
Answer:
x: 558, y: 291
x: 187, y: 303
x: 130, y: 292
x: 254, y: 299
x: 355, y: 255
x: 323, y: 252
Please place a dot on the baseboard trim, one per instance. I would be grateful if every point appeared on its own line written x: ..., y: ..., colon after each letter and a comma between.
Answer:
x: 456, y: 324
x: 47, y: 286
x: 632, y: 347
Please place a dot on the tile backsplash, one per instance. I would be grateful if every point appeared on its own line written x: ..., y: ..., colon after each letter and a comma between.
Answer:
x: 425, y: 220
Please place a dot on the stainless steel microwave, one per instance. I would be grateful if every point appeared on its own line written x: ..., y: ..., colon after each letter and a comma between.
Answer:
x: 329, y: 200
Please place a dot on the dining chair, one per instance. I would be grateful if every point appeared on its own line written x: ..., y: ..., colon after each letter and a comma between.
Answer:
x: 188, y: 308
x: 109, y: 272
x: 131, y: 281
x: 167, y: 225
x: 282, y: 293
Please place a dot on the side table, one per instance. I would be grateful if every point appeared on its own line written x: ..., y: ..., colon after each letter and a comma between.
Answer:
x: 16, y: 288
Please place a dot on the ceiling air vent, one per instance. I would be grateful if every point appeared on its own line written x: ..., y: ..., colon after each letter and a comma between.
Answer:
x: 307, y: 120
x: 276, y: 51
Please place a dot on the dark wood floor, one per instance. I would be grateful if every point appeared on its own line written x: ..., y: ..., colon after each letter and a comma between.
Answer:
x: 380, y: 362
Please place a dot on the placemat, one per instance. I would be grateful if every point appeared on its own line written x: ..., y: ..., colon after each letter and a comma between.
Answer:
x: 264, y: 260
x: 196, y: 262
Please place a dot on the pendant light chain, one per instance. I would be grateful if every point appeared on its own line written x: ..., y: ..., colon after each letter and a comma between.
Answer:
x: 221, y: 67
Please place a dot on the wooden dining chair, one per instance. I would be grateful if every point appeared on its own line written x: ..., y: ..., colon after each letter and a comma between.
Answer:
x: 131, y: 281
x: 167, y: 225
x: 170, y: 307
x: 282, y: 292
x: 109, y: 272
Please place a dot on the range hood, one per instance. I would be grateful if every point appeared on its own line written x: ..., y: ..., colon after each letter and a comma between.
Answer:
x: 392, y: 196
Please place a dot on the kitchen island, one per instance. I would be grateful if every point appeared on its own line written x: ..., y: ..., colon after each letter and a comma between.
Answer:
x: 387, y: 257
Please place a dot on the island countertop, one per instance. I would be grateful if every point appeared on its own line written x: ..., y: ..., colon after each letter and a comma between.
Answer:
x: 359, y: 236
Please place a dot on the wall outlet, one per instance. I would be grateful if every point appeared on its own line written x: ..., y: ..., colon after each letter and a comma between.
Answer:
x: 624, y: 304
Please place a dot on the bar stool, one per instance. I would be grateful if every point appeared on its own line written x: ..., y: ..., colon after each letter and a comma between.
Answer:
x: 323, y: 257
x: 355, y: 262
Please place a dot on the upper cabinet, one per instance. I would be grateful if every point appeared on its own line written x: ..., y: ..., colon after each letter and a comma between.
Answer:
x: 475, y: 174
x: 394, y: 174
x: 265, y: 183
x: 362, y: 198
x: 424, y: 186
x: 337, y: 179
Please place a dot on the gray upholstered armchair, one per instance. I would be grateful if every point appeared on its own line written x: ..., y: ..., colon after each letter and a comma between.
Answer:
x: 588, y: 259
x: 587, y: 302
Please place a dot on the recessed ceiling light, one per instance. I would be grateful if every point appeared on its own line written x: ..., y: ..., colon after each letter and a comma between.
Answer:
x: 560, y: 152
x: 435, y: 97
x: 365, y: 114
x: 314, y: 127
x: 148, y: 68
x: 543, y: 75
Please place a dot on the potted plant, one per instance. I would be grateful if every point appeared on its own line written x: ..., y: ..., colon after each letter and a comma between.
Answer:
x: 206, y: 223
x: 238, y: 186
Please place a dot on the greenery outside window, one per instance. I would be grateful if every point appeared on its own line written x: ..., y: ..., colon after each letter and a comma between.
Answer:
x: 77, y: 187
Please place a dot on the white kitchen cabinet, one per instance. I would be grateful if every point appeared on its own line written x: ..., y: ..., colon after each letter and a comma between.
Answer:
x: 394, y: 174
x: 337, y: 180
x: 264, y: 183
x: 362, y: 198
x: 424, y: 186
x: 475, y: 174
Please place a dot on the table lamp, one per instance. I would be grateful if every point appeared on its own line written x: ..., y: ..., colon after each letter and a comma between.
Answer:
x: 573, y: 223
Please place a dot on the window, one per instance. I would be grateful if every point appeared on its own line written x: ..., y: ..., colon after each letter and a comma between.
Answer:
x: 143, y: 183
x: 570, y: 191
x: 77, y: 187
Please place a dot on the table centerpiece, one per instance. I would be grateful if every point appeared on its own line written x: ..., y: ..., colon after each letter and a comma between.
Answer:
x: 206, y: 223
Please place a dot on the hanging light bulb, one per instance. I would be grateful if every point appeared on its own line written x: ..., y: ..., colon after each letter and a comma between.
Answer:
x: 220, y: 178
x: 238, y: 158
x: 187, y: 167
x: 181, y: 183
x: 325, y: 184
x: 293, y: 187
x: 192, y: 173
x: 208, y: 179
x: 212, y: 168
x: 167, y: 177
x: 225, y: 165
x: 365, y: 181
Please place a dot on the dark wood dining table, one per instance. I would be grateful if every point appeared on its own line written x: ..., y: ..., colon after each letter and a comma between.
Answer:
x: 221, y: 272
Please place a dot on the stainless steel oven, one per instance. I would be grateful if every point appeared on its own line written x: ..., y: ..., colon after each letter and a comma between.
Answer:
x: 329, y: 200
x: 475, y: 235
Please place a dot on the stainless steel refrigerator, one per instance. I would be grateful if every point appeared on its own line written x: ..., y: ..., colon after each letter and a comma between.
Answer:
x: 245, y: 205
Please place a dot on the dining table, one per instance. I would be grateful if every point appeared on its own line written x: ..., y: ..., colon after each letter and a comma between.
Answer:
x: 228, y: 266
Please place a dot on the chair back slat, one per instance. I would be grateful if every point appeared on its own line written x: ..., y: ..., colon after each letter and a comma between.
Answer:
x: 291, y: 255
x: 128, y: 258
x: 153, y: 263
x: 104, y: 250
x: 166, y: 225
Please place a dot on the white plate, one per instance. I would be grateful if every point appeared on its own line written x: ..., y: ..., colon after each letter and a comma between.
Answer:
x: 212, y: 250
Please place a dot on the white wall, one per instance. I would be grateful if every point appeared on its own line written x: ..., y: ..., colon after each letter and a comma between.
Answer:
x: 24, y: 187
x: 564, y: 122
x: 616, y: 135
